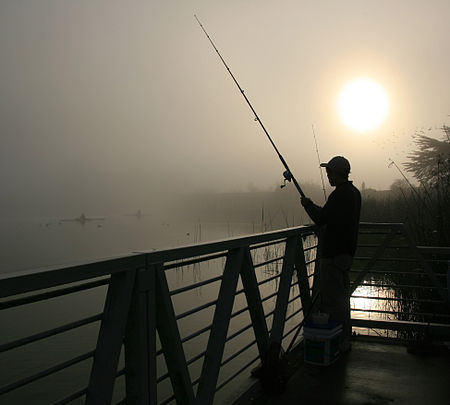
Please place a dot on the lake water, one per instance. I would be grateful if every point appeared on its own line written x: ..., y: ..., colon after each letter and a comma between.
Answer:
x: 37, y: 242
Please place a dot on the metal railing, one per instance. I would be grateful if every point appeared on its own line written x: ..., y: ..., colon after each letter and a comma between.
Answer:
x: 186, y: 325
x: 399, y: 289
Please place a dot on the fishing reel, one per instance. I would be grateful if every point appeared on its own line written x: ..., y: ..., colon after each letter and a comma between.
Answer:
x: 287, y: 177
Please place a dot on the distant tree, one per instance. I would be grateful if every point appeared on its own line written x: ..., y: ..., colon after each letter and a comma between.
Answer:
x: 363, y: 188
x: 399, y: 185
x: 430, y: 163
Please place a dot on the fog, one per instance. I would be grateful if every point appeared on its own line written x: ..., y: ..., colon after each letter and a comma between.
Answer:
x: 111, y: 106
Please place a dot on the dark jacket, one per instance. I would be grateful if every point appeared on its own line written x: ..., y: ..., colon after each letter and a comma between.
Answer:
x: 340, y: 218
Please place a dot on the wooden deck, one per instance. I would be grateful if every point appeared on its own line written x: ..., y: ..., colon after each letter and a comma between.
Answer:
x: 374, y: 372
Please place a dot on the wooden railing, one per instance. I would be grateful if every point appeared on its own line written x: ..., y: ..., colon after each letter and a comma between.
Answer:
x: 184, y: 324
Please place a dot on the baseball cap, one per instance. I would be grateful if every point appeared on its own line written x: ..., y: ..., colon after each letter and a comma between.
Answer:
x: 338, y: 164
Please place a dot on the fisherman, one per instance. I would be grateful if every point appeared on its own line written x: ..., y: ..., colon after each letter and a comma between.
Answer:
x: 339, y: 218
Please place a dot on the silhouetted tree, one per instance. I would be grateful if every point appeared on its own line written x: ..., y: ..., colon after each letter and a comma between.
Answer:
x: 430, y: 165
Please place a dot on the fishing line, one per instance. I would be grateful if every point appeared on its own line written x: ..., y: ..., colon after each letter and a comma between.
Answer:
x: 318, y: 158
x: 288, y: 176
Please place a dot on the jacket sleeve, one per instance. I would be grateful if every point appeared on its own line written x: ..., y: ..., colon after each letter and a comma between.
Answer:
x: 314, y: 212
x: 327, y: 214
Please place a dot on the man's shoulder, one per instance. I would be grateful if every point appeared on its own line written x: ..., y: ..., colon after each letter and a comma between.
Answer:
x: 353, y: 186
x: 348, y: 185
x: 347, y: 188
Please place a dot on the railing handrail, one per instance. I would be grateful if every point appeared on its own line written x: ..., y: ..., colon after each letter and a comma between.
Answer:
x: 442, y: 250
x: 168, y: 254
x: 85, y: 270
x: 35, y: 279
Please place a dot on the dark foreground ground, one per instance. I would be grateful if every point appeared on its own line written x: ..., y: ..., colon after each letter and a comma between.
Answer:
x: 373, y: 373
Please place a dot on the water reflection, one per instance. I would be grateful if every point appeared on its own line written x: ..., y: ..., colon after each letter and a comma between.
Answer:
x: 369, y: 301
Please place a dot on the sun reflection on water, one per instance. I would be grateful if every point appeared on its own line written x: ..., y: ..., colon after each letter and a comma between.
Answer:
x: 373, y: 302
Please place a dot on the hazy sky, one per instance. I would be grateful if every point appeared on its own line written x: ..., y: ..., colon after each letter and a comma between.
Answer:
x: 108, y: 102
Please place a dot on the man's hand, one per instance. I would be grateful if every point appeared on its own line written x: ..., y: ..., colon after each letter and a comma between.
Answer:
x: 306, y: 202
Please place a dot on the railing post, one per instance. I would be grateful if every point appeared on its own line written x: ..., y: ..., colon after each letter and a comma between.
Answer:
x: 219, y: 328
x: 279, y: 318
x: 110, y: 337
x: 169, y: 335
x: 140, y: 342
x: 302, y: 278
x: 255, y: 307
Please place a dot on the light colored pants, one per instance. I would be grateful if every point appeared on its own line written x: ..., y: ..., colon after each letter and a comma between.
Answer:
x: 333, y: 283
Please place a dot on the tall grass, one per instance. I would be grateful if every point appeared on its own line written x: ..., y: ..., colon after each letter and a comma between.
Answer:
x: 424, y: 211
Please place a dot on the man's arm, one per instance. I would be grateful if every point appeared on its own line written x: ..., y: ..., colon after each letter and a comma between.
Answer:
x: 330, y: 213
x: 314, y: 211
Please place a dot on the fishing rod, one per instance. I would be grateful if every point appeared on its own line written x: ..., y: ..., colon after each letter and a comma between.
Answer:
x: 288, y: 176
x: 318, y: 158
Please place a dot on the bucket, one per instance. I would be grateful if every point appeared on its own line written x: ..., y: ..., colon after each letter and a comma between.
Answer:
x: 321, y: 343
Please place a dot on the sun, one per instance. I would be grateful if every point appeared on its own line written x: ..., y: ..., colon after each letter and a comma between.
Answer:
x: 363, y: 104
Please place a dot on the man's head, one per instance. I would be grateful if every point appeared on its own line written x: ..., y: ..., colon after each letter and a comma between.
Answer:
x: 338, y: 169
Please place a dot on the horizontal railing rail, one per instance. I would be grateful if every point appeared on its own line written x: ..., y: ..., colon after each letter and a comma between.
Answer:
x: 186, y: 323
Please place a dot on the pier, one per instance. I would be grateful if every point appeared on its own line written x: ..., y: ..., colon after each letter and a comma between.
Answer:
x: 187, y: 325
